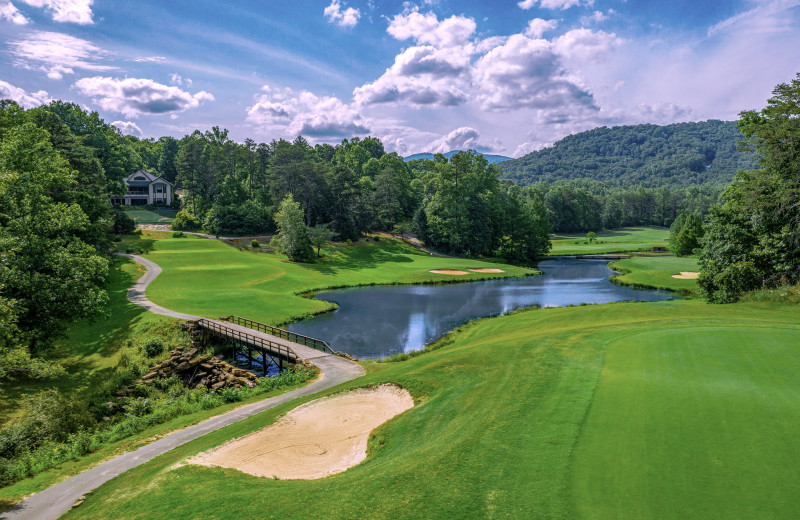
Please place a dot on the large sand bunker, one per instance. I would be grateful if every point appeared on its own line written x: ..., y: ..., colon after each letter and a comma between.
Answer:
x: 686, y: 275
x: 487, y: 270
x: 448, y: 271
x: 317, y: 439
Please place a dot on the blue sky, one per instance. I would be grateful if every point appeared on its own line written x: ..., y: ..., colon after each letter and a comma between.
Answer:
x: 505, y: 77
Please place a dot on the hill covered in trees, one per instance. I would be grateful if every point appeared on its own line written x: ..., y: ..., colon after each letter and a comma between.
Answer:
x: 681, y: 154
x: 493, y: 159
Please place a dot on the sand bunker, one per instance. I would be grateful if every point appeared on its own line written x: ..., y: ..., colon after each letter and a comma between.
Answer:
x: 487, y: 270
x: 317, y: 439
x: 448, y: 271
x: 686, y: 275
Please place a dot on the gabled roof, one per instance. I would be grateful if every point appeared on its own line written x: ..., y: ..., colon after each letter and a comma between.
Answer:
x: 149, y: 178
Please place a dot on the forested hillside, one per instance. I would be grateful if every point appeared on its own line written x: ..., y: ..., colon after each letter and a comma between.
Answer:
x: 493, y: 159
x: 682, y: 154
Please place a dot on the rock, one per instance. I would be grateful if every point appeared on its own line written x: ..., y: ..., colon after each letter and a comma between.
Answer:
x: 183, y: 366
x: 192, y: 353
x: 80, y: 501
x: 110, y: 404
x: 206, y: 366
x: 151, y: 375
x: 238, y: 372
x: 106, y: 418
x: 218, y: 385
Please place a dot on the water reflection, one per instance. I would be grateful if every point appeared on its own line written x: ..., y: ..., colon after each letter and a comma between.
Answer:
x: 381, y: 321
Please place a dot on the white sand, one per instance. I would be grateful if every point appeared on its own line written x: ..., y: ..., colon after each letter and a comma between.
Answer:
x: 448, y: 271
x: 320, y: 438
x: 686, y: 275
x: 487, y: 270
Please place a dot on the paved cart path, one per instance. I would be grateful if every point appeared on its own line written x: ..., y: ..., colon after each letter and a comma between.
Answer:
x: 58, y: 499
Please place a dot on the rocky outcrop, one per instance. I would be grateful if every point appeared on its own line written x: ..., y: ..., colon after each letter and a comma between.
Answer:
x: 200, y: 370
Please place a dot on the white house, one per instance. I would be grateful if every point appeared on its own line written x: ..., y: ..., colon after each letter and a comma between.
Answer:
x: 145, y: 188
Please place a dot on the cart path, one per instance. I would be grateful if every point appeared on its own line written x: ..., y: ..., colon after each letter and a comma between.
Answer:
x: 58, y: 499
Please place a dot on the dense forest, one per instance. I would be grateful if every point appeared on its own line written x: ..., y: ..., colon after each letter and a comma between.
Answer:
x: 683, y: 154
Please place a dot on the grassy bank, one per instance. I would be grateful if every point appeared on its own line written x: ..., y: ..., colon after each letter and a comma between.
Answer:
x: 611, y: 241
x: 144, y: 215
x: 649, y: 410
x: 266, y: 287
x: 657, y: 272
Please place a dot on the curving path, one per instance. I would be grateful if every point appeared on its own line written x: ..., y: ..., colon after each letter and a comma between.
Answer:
x: 58, y: 499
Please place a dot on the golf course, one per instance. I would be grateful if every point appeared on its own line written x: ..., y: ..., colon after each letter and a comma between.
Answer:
x: 673, y: 409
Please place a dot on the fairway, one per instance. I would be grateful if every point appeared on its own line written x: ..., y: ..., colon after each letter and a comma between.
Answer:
x: 209, y: 278
x: 550, y: 413
x: 700, y: 422
x: 656, y: 272
x: 610, y: 241
x: 143, y: 215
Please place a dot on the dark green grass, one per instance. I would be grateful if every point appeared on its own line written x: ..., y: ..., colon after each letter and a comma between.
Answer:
x: 610, y: 241
x: 510, y: 419
x: 656, y: 272
x: 151, y: 215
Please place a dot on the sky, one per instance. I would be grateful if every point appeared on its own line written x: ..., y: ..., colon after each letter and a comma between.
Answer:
x: 505, y: 77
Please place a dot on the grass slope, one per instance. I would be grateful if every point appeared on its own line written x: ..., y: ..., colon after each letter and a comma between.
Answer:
x: 208, y: 278
x: 669, y: 410
x: 151, y: 215
x: 657, y: 271
x: 613, y: 241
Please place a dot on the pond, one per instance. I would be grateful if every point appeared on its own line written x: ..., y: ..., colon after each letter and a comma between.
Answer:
x: 375, y: 322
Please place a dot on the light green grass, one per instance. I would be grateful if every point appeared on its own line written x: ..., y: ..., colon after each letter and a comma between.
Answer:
x: 151, y: 215
x: 209, y: 278
x: 612, y: 241
x: 543, y: 414
x: 656, y: 272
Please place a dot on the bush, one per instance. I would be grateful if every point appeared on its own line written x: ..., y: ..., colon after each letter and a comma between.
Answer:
x: 123, y: 224
x: 276, y: 243
x: 255, y: 244
x: 152, y: 347
x: 185, y: 221
x: 179, y: 234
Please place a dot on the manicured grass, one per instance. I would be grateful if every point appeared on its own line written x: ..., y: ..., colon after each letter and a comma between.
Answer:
x: 613, y: 241
x: 209, y: 278
x: 151, y: 215
x: 91, y: 351
x: 650, y: 410
x: 657, y: 271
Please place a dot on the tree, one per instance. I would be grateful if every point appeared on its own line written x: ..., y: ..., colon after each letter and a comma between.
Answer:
x: 321, y: 235
x: 591, y: 236
x: 293, y: 231
x: 753, y: 238
x: 688, y: 237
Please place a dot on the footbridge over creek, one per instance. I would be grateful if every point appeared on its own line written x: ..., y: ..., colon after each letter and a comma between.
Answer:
x: 255, y: 339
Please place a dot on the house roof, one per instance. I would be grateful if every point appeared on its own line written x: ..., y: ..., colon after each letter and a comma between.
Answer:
x: 149, y: 178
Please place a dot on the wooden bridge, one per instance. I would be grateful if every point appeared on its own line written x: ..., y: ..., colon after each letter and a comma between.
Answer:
x: 278, y: 345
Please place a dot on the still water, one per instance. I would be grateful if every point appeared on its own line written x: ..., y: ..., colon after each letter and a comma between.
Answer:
x: 374, y: 322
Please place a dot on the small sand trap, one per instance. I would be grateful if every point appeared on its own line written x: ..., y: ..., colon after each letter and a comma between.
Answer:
x: 487, y: 270
x: 448, y: 271
x: 317, y: 439
x: 686, y: 275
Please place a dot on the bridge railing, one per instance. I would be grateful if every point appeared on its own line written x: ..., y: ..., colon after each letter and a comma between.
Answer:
x: 281, y: 333
x: 248, y: 339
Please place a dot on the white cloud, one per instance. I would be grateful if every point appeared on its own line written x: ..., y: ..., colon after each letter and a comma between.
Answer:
x: 177, y: 79
x: 133, y: 97
x: 25, y: 99
x: 150, y: 59
x: 554, y: 4
x: 74, y: 11
x: 464, y: 138
x: 128, y: 128
x: 292, y: 113
x: 9, y: 12
x: 585, y: 44
x: 427, y: 29
x: 57, y: 54
x: 344, y: 18
x: 538, y: 26
x: 766, y: 18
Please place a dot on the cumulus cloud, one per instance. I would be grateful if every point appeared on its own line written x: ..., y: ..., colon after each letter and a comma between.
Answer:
x: 464, y: 138
x: 57, y: 54
x: 304, y: 113
x: 538, y: 26
x: 554, y: 4
x: 9, y: 12
x: 133, y: 97
x: 427, y: 29
x: 128, y: 128
x: 344, y: 18
x: 74, y: 11
x: 25, y: 99
x: 585, y: 44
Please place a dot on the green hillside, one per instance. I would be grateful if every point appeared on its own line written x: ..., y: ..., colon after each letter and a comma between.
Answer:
x: 680, y: 154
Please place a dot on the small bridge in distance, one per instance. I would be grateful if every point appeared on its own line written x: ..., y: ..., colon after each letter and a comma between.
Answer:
x: 278, y: 345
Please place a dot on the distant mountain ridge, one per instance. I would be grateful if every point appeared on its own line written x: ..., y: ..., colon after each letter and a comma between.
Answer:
x: 652, y: 155
x: 493, y: 159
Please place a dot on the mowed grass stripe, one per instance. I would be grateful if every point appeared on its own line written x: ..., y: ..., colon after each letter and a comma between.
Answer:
x: 696, y: 422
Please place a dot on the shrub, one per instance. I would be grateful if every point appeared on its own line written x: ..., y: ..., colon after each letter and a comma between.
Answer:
x: 179, y: 234
x: 185, y: 221
x: 349, y: 242
x: 152, y: 347
x: 123, y: 224
x: 255, y: 244
x: 276, y: 243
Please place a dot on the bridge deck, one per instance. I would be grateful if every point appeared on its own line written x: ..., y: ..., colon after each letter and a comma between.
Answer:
x: 296, y: 351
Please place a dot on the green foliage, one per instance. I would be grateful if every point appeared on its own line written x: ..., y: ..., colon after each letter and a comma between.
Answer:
x: 686, y: 235
x: 152, y: 347
x: 320, y: 235
x: 680, y: 154
x: 179, y: 234
x: 591, y: 236
x: 753, y: 239
x: 123, y: 224
x: 255, y: 244
x: 295, y: 237
x: 185, y: 221
x: 247, y: 218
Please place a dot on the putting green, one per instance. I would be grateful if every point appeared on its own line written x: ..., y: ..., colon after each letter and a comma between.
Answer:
x: 695, y: 422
